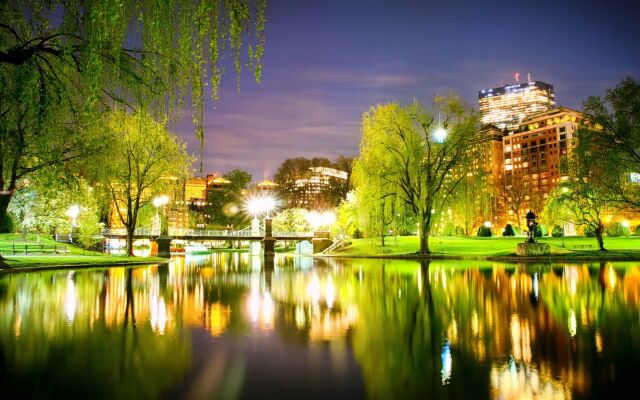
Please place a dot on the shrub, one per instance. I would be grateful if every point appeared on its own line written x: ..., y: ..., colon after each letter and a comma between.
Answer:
x: 508, y: 231
x: 637, y: 231
x: 557, y: 231
x: 484, y: 231
x: 540, y: 230
x: 616, y: 229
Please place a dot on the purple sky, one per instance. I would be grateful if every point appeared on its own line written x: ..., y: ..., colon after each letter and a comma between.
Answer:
x: 327, y: 61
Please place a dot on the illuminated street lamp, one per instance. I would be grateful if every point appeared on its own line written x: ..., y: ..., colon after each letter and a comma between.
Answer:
x: 440, y: 134
x: 158, y: 201
x: 73, y: 212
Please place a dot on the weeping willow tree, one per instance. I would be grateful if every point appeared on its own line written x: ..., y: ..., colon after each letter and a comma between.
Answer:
x: 64, y: 63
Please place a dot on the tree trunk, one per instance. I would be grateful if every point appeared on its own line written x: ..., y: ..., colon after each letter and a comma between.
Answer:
x: 130, y: 232
x: 424, y: 237
x: 382, y: 238
x: 5, y: 198
x: 599, y: 233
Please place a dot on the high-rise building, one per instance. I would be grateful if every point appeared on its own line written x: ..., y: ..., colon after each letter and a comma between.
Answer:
x: 507, y: 106
x: 535, y: 156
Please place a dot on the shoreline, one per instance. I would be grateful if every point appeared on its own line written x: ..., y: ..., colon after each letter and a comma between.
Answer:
x: 9, y: 270
x: 506, y: 258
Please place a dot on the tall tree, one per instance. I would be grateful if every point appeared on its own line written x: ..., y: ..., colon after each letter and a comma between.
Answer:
x: 416, y: 151
x: 609, y: 143
x: 62, y: 63
x: 145, y: 159
x: 582, y: 202
x: 224, y: 204
x: 513, y: 194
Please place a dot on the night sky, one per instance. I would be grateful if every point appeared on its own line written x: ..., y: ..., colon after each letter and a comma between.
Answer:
x: 327, y: 61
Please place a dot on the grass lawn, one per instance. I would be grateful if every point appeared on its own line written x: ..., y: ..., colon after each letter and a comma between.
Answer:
x: 493, y: 247
x: 74, y: 255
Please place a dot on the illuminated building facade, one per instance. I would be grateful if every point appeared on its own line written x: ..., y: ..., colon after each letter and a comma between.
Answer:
x: 508, y: 106
x: 309, y: 190
x: 535, y: 156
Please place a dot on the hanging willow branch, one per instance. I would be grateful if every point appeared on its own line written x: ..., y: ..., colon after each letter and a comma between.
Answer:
x: 159, y: 55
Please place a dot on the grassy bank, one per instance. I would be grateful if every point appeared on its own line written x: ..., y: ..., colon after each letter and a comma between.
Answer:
x: 45, y: 252
x: 570, y: 247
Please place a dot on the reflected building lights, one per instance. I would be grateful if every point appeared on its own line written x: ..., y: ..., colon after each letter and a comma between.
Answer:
x: 572, y: 323
x: 446, y: 360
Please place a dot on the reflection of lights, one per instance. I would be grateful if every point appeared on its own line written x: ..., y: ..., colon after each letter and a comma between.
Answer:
x: 612, y: 278
x: 314, y: 290
x: 71, y: 299
x: 475, y: 323
x: 331, y: 292
x: 261, y: 309
x: 445, y: 358
x: 535, y: 285
x: 598, y: 342
x: 158, y: 314
x: 301, y: 318
x: 572, y: 324
x: 254, y: 306
x: 512, y: 381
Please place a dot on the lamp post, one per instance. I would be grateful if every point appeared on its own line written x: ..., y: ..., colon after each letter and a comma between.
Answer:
x: 531, y: 224
x: 257, y: 206
x: 163, y: 240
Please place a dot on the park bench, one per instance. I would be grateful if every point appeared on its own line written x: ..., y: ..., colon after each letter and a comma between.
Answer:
x: 33, y: 249
x: 582, y: 246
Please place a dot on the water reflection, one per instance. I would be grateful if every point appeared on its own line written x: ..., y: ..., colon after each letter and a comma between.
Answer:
x: 220, y: 324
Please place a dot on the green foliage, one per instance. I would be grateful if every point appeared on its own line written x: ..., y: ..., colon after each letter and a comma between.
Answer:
x: 484, y: 231
x: 449, y: 229
x: 540, y: 230
x: 608, y: 143
x: 293, y: 171
x: 403, y: 165
x: 347, y: 216
x: 508, y: 231
x: 63, y: 64
x: 145, y: 160
x: 558, y: 231
x: 224, y: 205
x: 616, y: 229
x: 637, y: 231
x: 291, y: 220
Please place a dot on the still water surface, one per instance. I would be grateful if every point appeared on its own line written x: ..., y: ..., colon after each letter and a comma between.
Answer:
x: 220, y: 326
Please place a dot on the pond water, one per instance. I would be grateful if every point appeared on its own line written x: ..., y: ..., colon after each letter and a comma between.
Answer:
x: 222, y: 326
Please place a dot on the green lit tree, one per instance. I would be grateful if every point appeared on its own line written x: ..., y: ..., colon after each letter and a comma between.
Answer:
x: 63, y: 63
x: 146, y: 160
x: 414, y: 153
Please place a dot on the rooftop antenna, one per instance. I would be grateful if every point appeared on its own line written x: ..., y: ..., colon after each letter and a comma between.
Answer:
x: 529, y: 77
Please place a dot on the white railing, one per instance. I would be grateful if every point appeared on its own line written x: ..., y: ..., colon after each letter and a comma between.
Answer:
x: 292, y: 234
x: 204, y: 233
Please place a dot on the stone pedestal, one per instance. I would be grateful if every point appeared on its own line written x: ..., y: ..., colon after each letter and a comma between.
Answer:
x: 321, y: 241
x: 164, y: 246
x: 533, y: 249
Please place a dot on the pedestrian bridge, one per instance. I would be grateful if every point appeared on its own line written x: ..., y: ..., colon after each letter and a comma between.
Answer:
x: 203, y: 234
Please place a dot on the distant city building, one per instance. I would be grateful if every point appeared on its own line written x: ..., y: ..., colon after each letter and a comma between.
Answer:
x: 536, y: 154
x: 309, y: 190
x: 508, y: 106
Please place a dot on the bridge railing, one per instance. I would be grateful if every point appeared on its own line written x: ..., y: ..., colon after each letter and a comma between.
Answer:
x: 215, y: 233
x: 292, y: 234
x: 205, y: 233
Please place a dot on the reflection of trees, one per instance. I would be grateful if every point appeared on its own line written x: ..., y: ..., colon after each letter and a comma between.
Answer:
x: 64, y: 335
